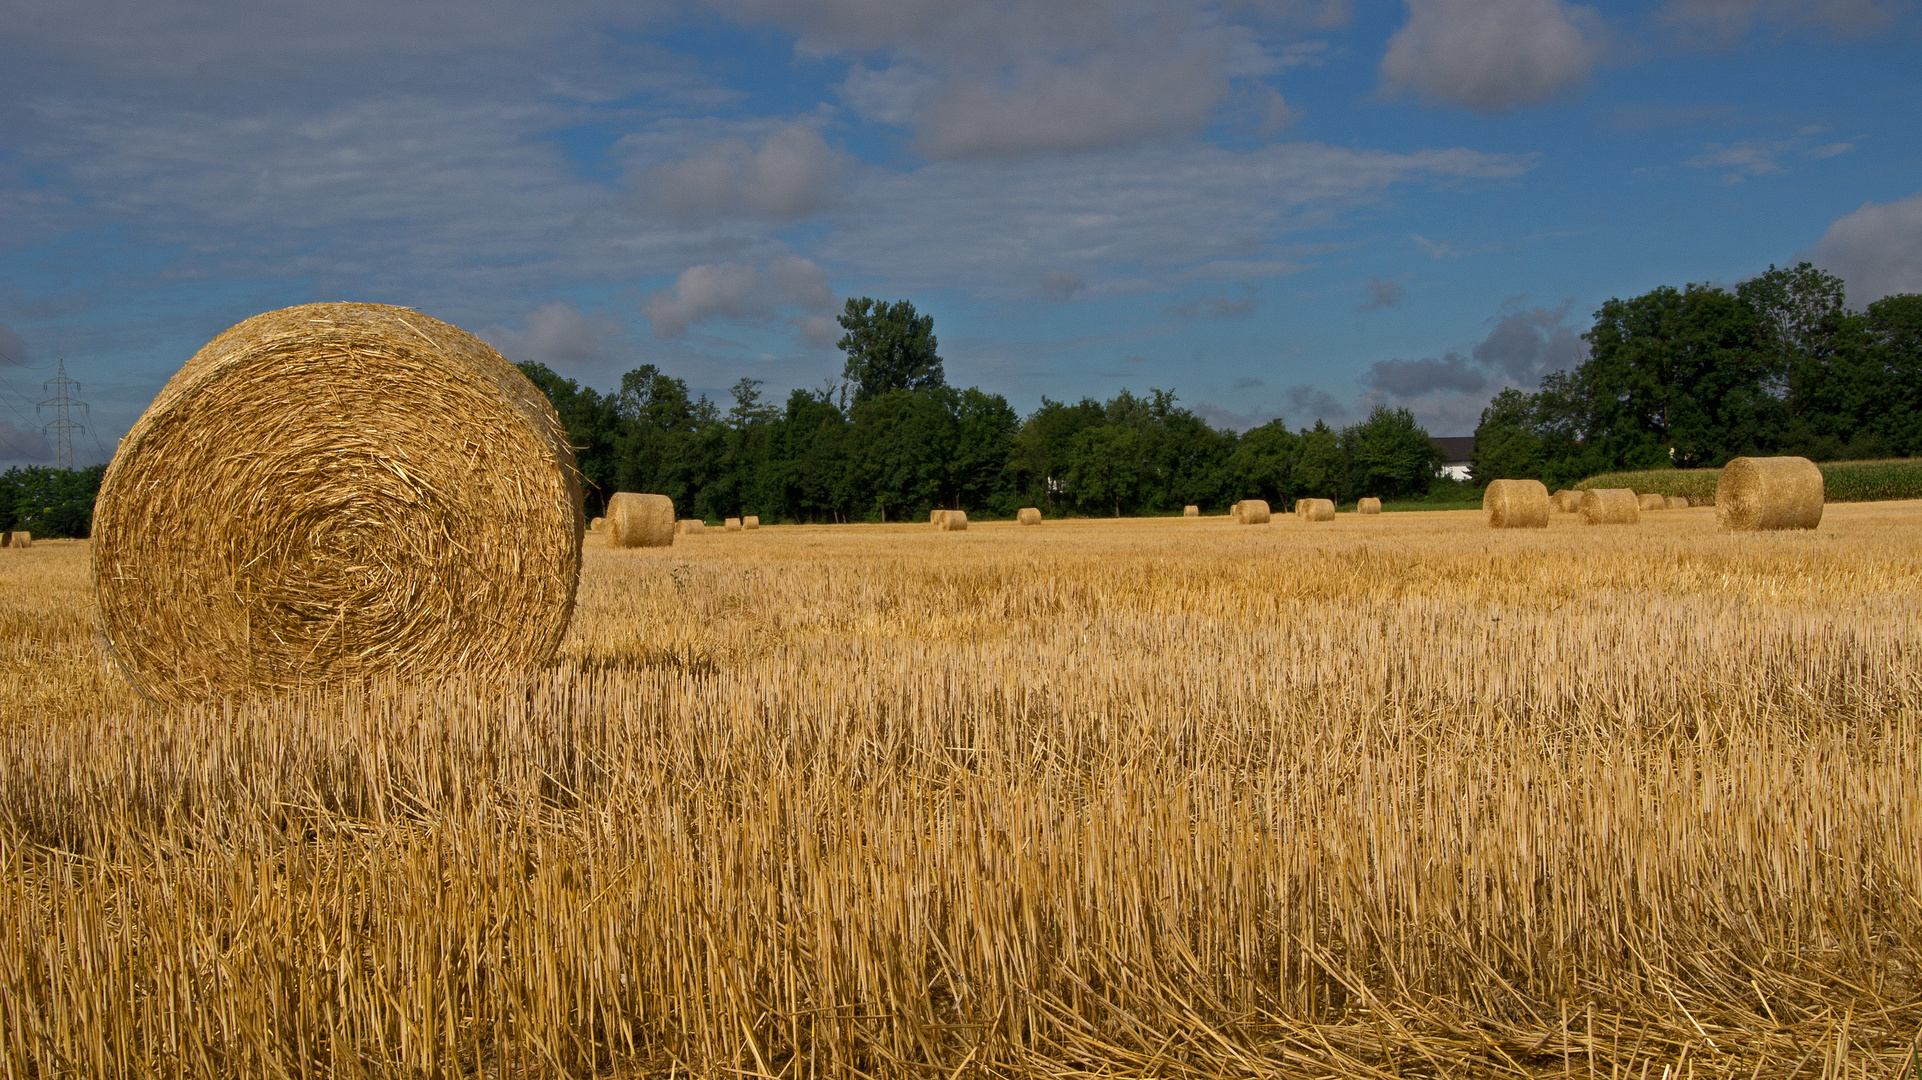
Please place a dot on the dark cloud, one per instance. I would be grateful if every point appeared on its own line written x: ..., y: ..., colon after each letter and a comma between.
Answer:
x: 1248, y: 382
x: 13, y: 348
x: 1877, y: 249
x: 1061, y: 285
x: 1314, y: 403
x: 1383, y: 294
x: 1727, y: 20
x: 1492, y: 55
x: 1217, y: 307
x: 789, y: 174
x: 1524, y: 345
x: 23, y: 444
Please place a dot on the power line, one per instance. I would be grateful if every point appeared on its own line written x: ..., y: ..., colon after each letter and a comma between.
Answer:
x: 63, y: 425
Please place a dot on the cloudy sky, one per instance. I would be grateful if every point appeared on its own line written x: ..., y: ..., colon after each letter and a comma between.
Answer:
x: 1291, y: 208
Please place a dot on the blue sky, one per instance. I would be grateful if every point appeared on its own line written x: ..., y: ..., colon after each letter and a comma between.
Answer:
x: 1295, y: 208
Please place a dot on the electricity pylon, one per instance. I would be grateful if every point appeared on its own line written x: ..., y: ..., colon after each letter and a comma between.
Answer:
x: 63, y: 425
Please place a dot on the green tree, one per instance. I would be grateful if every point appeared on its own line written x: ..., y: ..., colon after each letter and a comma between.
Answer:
x: 1104, y: 465
x: 889, y: 347
x: 1319, y: 467
x: 807, y: 459
x: 1389, y: 454
x: 1507, y: 444
x: 1262, y: 464
x: 900, y: 444
x: 1038, y: 463
x: 592, y: 424
x: 983, y: 442
x: 50, y: 502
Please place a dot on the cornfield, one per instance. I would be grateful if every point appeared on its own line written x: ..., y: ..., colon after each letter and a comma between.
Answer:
x: 1386, y: 796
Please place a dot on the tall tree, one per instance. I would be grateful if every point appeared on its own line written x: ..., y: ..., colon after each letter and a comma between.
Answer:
x: 1104, y: 465
x: 889, y: 347
x: 1389, y: 454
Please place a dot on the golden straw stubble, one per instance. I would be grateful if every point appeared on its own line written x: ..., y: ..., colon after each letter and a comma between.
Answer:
x: 635, y: 520
x: 1516, y: 504
x: 332, y: 493
x: 1769, y: 493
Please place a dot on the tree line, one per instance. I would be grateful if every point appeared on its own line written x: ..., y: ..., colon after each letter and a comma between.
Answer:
x: 891, y: 440
x: 1692, y: 377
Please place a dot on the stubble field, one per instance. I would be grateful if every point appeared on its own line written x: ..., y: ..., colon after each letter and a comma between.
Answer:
x: 1394, y: 796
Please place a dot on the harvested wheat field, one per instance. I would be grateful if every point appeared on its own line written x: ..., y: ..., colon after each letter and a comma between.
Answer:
x: 1100, y: 799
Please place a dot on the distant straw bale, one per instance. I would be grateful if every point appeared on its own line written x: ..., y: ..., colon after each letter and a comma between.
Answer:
x: 1677, y: 502
x: 1610, y: 506
x: 1191, y: 510
x: 1253, y: 512
x: 1769, y: 493
x: 1651, y: 501
x: 1368, y: 506
x: 954, y: 521
x: 597, y: 524
x: 335, y: 493
x: 1316, y: 509
x: 731, y: 524
x: 1516, y: 504
x: 20, y: 538
x: 640, y: 520
x: 690, y: 526
x: 1028, y: 515
x: 750, y: 521
x: 1235, y: 512
x: 938, y: 518
x: 1566, y: 501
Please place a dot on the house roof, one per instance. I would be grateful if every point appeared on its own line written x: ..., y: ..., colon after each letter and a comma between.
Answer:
x: 1455, y: 449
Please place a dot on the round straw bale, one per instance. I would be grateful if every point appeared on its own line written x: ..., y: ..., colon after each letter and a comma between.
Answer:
x: 1516, y: 504
x: 954, y: 521
x: 1610, y: 506
x: 1254, y: 512
x: 1676, y: 502
x: 938, y: 518
x: 1769, y: 493
x: 597, y: 524
x: 1566, y: 501
x: 731, y: 524
x: 750, y: 521
x: 1368, y: 506
x: 333, y: 493
x: 1651, y: 501
x: 1191, y: 510
x: 20, y: 539
x: 1028, y: 515
x: 690, y: 526
x: 1235, y: 511
x: 1317, y: 509
x: 640, y: 520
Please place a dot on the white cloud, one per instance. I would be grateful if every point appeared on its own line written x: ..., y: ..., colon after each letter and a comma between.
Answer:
x: 1383, y: 294
x: 790, y: 173
x: 1492, y: 55
x: 562, y: 337
x: 1751, y: 157
x: 1877, y: 249
x: 892, y: 95
x: 745, y: 294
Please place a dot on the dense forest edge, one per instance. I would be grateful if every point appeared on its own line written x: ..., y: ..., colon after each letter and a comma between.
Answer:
x: 1676, y: 383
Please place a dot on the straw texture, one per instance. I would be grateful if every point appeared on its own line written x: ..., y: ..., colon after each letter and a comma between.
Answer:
x: 750, y: 521
x: 1677, y: 502
x: 1252, y: 512
x: 333, y: 493
x: 597, y: 524
x: 1651, y: 501
x: 1769, y: 493
x: 1610, y: 506
x: 1516, y: 504
x: 1235, y: 512
x: 1566, y: 501
x: 640, y: 520
x: 1191, y: 510
x: 1028, y: 515
x: 938, y: 518
x: 690, y: 526
x: 1368, y: 506
x: 20, y: 538
x: 1315, y: 509
x: 731, y: 524
x: 954, y: 520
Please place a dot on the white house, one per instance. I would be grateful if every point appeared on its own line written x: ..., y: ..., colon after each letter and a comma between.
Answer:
x: 1456, y: 452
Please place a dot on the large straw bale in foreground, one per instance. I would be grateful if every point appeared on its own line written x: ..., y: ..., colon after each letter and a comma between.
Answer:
x: 332, y: 493
x: 1252, y: 512
x: 1651, y: 501
x: 1315, y: 509
x: 1516, y: 504
x: 1191, y: 510
x: 1028, y: 515
x: 1368, y: 506
x: 1610, y: 506
x: 750, y: 521
x: 640, y: 520
x: 954, y: 520
x: 690, y: 526
x: 1769, y: 493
